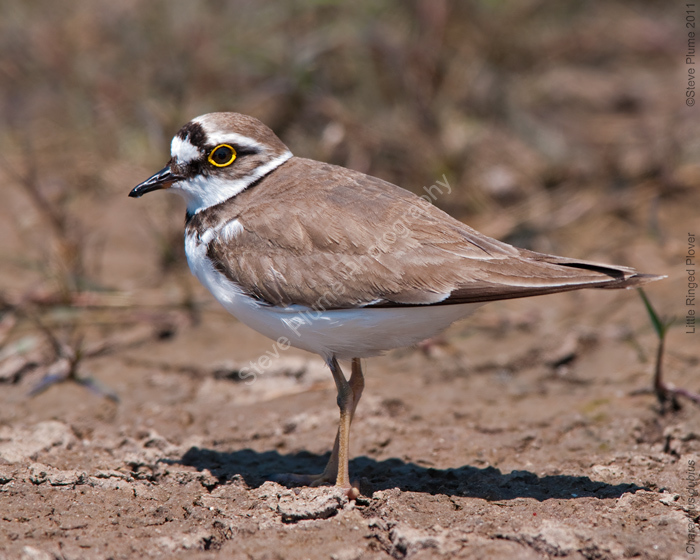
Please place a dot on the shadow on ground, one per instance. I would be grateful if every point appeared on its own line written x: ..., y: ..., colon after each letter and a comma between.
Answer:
x: 488, y: 483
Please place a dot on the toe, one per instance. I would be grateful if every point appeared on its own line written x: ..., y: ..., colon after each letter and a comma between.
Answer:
x: 293, y: 479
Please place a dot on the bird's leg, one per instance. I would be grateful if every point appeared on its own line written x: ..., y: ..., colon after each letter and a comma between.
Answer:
x: 349, y: 393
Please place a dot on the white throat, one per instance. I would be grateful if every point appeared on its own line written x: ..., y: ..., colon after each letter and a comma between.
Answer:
x: 203, y: 192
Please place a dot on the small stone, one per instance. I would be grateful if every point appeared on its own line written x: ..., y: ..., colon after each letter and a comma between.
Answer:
x: 31, y: 553
x: 349, y: 554
x: 670, y: 499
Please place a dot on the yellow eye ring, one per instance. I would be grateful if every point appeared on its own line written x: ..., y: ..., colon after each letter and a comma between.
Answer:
x: 222, y: 156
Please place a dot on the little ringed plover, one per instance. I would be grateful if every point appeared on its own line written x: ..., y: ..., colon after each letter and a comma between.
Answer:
x: 339, y: 263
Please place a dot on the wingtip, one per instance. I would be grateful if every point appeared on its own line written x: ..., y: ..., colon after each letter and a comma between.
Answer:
x: 639, y: 279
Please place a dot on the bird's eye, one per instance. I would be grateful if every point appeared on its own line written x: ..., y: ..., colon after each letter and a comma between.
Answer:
x: 222, y: 155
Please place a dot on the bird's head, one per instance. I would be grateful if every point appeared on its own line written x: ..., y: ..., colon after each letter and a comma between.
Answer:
x: 215, y: 157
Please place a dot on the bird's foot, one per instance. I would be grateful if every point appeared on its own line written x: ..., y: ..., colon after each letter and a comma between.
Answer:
x: 352, y: 490
x: 292, y: 479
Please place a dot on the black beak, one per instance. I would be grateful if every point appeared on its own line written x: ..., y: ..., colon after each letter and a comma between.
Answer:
x: 161, y: 180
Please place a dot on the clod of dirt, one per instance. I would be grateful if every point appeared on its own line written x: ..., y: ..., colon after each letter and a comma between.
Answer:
x: 552, y: 538
x: 19, y: 444
x: 6, y: 475
x: 300, y: 504
x: 407, y: 541
x: 39, y: 474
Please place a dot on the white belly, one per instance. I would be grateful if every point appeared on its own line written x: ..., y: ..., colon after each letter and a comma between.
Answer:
x: 343, y: 333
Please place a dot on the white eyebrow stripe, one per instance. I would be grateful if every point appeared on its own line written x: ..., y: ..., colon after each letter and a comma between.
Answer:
x: 183, y: 150
x: 234, y: 138
x: 269, y: 166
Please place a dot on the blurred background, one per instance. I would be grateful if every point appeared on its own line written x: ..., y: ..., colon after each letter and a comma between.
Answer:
x: 560, y: 127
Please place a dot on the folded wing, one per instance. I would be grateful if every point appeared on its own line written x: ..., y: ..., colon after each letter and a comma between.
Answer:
x: 354, y: 240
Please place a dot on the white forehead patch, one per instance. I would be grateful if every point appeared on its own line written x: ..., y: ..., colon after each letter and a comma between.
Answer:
x: 183, y: 150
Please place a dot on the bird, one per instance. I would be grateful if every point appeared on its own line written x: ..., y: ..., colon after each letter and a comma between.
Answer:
x: 337, y: 262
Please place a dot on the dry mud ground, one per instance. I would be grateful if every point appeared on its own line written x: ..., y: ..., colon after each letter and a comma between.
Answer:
x: 523, y: 433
